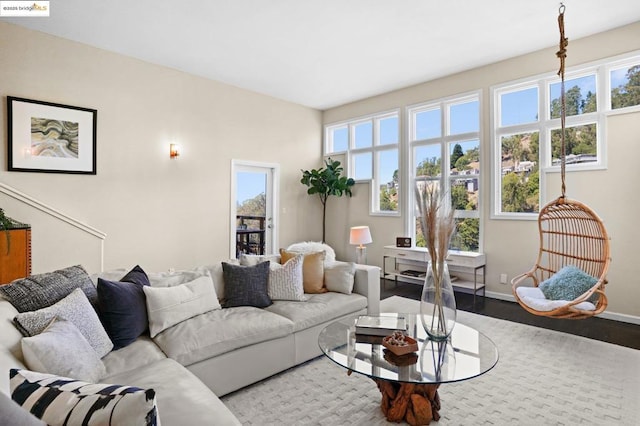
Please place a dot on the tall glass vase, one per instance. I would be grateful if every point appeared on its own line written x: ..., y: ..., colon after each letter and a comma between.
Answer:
x: 438, y: 303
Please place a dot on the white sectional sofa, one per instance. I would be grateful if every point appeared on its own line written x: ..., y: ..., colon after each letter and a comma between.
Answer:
x: 192, y: 363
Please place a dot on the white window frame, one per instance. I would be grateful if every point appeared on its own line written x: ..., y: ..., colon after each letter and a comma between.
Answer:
x: 444, y: 140
x: 601, y: 69
x: 617, y: 62
x: 374, y: 149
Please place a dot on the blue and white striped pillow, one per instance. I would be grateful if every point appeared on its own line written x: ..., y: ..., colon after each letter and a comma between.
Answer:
x: 63, y: 401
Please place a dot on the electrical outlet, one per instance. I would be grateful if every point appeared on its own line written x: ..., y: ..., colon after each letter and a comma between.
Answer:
x: 503, y: 278
x: 172, y: 270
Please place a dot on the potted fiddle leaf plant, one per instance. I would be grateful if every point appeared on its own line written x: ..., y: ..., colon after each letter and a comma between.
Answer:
x: 325, y: 182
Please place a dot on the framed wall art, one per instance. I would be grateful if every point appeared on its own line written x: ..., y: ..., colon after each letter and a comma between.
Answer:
x: 50, y: 138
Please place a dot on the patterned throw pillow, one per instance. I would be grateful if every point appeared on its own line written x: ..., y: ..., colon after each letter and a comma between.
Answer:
x: 61, y: 349
x: 39, y: 291
x: 285, y: 281
x: 568, y: 284
x: 123, y: 307
x: 312, y: 270
x: 74, y: 308
x: 63, y: 401
x: 246, y: 285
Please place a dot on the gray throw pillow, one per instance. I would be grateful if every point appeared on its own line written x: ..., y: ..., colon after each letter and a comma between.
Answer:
x: 42, y: 290
x: 13, y: 414
x: 62, y: 350
x: 75, y: 308
x: 246, y: 285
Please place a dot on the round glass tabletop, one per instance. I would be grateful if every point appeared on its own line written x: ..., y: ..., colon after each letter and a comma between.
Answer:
x: 467, y: 354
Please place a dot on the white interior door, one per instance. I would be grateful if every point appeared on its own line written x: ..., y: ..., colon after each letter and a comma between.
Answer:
x: 254, y: 199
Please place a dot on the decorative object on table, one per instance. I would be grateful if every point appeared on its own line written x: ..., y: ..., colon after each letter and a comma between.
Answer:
x: 405, y: 360
x: 326, y: 182
x: 6, y: 223
x: 399, y: 343
x: 50, y: 138
x: 438, y: 303
x: 379, y: 326
x: 360, y: 235
x: 570, y: 234
x: 403, y: 242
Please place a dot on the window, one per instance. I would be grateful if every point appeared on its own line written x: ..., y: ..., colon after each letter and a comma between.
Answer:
x: 371, y: 145
x: 527, y: 136
x: 444, y: 145
x: 624, y: 84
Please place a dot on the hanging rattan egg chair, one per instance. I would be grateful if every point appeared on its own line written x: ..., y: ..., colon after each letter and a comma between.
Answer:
x: 570, y: 234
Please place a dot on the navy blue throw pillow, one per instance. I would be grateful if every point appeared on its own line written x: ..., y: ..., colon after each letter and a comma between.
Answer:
x: 123, y: 307
x: 246, y: 285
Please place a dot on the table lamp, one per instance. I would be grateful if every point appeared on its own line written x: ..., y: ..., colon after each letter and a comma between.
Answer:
x: 360, y: 235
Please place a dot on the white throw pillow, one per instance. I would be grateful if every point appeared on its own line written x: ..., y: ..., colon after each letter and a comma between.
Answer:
x: 339, y: 276
x: 75, y: 308
x: 62, y: 401
x: 62, y: 350
x: 312, y: 247
x: 167, y: 306
x: 285, y: 281
x: 254, y: 259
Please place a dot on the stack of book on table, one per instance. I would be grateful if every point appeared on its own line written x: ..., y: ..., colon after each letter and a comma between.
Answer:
x: 379, y: 326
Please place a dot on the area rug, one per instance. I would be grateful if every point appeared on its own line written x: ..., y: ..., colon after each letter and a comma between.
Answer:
x: 543, y: 377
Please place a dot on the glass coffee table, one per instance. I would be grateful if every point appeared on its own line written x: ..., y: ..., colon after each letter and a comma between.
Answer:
x: 409, y: 383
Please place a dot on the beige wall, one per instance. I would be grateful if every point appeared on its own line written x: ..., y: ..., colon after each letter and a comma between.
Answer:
x: 511, y: 246
x: 157, y: 212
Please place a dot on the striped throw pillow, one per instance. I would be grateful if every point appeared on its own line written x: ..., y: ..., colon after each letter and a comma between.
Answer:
x: 63, y: 401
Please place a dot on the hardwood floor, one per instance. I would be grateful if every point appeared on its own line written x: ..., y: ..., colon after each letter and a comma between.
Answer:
x: 619, y: 333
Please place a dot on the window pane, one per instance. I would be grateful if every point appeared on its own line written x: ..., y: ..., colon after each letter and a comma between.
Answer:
x: 464, y: 118
x: 464, y: 158
x: 363, y: 135
x: 362, y: 166
x: 519, y: 107
x: 427, y: 124
x: 420, y: 184
x: 388, y: 131
x: 625, y: 87
x: 580, y: 144
x: 427, y: 161
x: 467, y: 235
x: 580, y: 95
x: 519, y: 176
x: 339, y: 139
x: 388, y: 177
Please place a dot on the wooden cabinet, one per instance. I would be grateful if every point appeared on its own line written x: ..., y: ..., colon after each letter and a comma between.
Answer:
x: 15, y: 258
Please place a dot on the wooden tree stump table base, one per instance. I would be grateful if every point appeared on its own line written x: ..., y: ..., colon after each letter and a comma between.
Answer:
x: 417, y: 404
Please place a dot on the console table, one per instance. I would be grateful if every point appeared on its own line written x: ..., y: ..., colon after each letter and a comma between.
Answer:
x: 411, y: 260
x: 15, y: 258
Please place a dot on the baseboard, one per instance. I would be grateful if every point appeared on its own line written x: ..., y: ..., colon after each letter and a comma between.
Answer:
x: 615, y: 316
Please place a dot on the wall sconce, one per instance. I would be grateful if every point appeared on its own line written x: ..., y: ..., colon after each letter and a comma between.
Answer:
x: 174, y: 151
x: 360, y: 235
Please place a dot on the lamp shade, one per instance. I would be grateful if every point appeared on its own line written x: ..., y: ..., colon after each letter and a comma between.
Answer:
x: 360, y: 235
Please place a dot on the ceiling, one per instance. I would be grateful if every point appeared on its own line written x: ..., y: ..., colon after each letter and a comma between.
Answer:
x: 325, y: 53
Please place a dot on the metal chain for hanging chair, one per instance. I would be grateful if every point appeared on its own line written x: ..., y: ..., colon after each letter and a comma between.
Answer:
x: 562, y: 55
